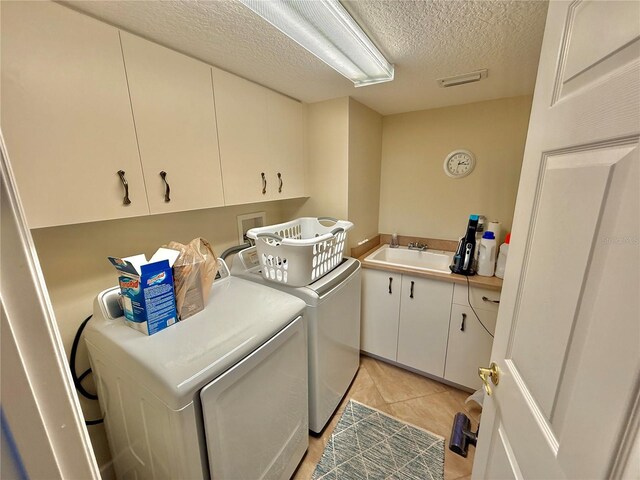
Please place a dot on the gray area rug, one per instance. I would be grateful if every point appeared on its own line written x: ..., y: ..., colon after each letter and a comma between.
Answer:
x: 370, y: 445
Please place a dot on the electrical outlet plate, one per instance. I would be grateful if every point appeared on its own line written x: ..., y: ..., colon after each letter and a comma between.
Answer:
x: 247, y: 222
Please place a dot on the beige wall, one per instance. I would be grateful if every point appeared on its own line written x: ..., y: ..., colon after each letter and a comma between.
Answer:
x: 365, y: 151
x: 327, y: 140
x: 343, y: 178
x: 417, y: 198
x: 75, y: 266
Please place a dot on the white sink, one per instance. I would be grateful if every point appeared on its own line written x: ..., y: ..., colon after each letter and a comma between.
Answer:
x: 429, y: 260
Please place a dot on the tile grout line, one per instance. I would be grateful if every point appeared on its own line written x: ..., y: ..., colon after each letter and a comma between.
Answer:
x: 415, y: 398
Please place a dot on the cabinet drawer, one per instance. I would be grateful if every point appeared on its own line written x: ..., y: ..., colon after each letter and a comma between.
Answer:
x: 468, y: 347
x: 481, y: 298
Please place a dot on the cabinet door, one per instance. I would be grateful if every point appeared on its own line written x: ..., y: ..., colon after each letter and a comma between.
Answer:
x: 469, y: 345
x: 172, y: 100
x: 66, y: 116
x: 241, y: 111
x: 425, y: 308
x: 380, y: 309
x: 286, y: 142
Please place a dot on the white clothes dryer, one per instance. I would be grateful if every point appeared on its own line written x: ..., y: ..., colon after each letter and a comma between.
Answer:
x: 333, y: 320
x: 220, y: 395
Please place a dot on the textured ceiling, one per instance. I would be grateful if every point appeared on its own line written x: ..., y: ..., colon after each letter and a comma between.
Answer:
x: 425, y: 40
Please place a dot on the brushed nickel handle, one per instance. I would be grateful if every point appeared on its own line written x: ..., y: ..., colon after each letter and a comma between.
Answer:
x: 167, y: 189
x: 264, y: 184
x: 411, y: 294
x: 390, y: 280
x: 125, y: 200
x: 280, y: 180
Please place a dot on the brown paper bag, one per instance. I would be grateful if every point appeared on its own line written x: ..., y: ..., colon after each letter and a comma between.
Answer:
x: 193, y: 274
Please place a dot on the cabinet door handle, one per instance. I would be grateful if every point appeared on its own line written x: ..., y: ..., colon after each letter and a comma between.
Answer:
x: 125, y: 200
x: 167, y: 189
x: 411, y: 294
x: 280, y: 180
x: 464, y: 318
x: 390, y: 280
x: 264, y: 184
x: 486, y: 299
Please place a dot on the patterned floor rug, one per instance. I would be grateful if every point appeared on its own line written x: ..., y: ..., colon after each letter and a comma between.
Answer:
x: 370, y: 445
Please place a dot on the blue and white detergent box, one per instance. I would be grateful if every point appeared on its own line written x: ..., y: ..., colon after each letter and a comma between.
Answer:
x: 148, y: 297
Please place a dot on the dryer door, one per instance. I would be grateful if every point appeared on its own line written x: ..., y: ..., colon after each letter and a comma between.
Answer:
x: 255, y: 414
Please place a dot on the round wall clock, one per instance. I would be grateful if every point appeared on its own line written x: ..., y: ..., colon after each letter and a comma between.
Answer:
x: 459, y: 163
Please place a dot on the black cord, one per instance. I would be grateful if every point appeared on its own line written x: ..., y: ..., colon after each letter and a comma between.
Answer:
x: 474, y: 310
x: 77, y: 380
x: 72, y: 361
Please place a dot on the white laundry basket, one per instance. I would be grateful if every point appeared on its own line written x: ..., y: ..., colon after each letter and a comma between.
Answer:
x: 299, y: 252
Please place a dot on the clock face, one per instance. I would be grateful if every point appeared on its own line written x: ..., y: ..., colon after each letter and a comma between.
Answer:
x: 459, y: 163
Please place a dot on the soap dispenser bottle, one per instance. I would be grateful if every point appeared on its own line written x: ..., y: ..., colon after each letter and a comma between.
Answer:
x: 394, y: 241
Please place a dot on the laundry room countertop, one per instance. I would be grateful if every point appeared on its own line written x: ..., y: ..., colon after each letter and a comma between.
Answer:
x: 493, y: 283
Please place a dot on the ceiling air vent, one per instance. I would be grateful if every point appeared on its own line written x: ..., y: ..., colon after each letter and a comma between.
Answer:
x: 463, y: 78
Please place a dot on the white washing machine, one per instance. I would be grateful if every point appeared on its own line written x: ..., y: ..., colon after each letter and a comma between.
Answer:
x: 221, y: 395
x: 333, y: 320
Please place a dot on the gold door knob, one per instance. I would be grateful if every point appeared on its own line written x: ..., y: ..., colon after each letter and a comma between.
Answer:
x: 489, y: 373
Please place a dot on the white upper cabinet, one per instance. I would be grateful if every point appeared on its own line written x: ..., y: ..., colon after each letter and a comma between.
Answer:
x: 66, y: 116
x: 102, y: 124
x: 173, y: 110
x: 261, y: 141
x: 285, y: 123
x: 241, y: 110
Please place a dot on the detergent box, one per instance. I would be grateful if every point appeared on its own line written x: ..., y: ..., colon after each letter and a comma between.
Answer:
x: 148, y: 297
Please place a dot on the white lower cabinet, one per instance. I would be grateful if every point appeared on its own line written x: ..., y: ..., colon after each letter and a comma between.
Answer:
x: 424, y: 324
x: 380, y: 310
x: 469, y: 345
x: 428, y: 324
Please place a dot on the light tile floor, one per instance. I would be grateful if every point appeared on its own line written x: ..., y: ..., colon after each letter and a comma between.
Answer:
x: 409, y: 397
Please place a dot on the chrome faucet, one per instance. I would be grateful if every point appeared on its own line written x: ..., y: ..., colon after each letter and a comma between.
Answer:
x: 417, y: 246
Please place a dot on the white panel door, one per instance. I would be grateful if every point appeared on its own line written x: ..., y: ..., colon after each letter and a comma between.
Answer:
x: 241, y: 111
x: 425, y: 308
x: 41, y: 413
x: 66, y: 116
x: 172, y: 100
x: 380, y: 310
x: 286, y: 143
x: 567, y: 342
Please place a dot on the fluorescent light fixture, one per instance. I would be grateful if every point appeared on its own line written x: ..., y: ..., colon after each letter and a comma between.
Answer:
x: 325, y: 28
x: 462, y: 79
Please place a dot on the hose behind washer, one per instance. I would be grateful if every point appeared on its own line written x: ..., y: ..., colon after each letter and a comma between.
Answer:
x: 77, y: 381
